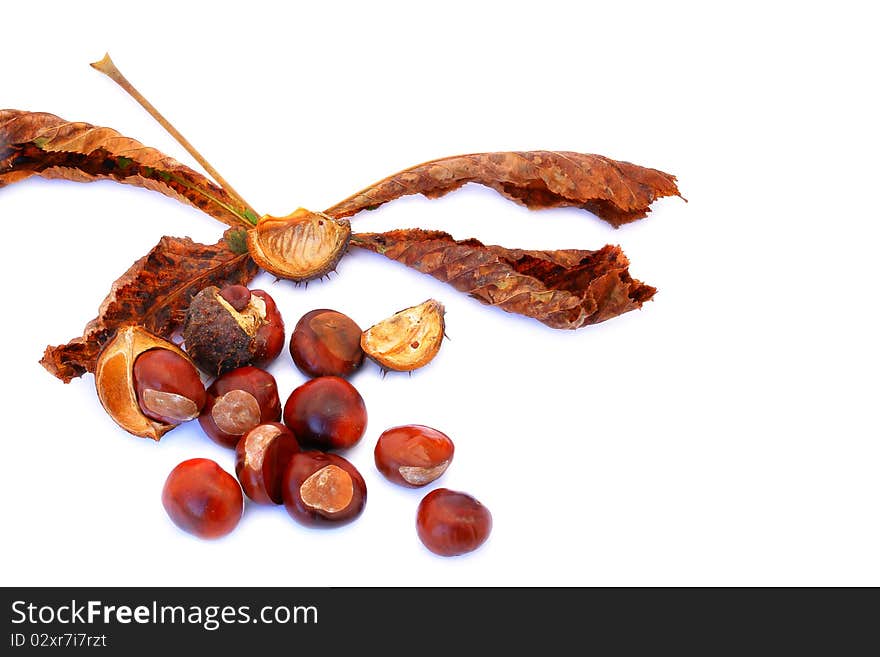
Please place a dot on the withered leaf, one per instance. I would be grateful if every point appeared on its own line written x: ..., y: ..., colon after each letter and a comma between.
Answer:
x: 154, y: 293
x: 564, y: 289
x: 37, y: 143
x: 618, y: 192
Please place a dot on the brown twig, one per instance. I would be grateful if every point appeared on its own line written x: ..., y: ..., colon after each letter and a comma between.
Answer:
x: 108, y: 68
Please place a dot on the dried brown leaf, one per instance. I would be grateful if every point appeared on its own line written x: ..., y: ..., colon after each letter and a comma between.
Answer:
x: 37, y: 143
x: 564, y: 289
x: 154, y: 293
x: 618, y: 192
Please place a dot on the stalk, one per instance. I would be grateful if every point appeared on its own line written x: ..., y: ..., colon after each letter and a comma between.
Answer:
x: 108, y: 68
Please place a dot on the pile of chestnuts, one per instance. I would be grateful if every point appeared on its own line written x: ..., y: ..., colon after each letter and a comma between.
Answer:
x: 284, y: 454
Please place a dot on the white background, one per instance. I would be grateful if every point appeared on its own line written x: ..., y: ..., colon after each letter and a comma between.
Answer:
x: 726, y: 434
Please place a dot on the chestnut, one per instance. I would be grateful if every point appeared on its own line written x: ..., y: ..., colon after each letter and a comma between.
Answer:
x: 203, y: 499
x: 231, y: 327
x: 450, y: 523
x: 326, y: 413
x: 269, y: 340
x: 326, y: 343
x: 237, y: 402
x: 168, y: 386
x: 413, y: 455
x: 323, y: 489
x: 261, y: 458
x: 115, y: 382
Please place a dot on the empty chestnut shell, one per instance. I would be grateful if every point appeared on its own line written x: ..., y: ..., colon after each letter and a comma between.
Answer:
x: 301, y: 246
x: 407, y: 340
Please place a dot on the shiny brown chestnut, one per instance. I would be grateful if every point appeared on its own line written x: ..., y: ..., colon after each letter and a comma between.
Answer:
x: 168, y: 386
x: 203, y: 499
x: 327, y: 413
x: 326, y: 343
x: 269, y: 340
x: 237, y: 402
x: 323, y: 489
x: 261, y: 458
x: 413, y: 455
x: 450, y: 523
x: 232, y: 327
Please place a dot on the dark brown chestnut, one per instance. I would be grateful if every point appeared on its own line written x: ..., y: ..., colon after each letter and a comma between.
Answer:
x: 413, y: 455
x: 237, y: 402
x: 326, y: 343
x: 450, y: 523
x: 323, y: 489
x: 232, y: 327
x: 261, y: 458
x: 203, y: 499
x: 327, y: 413
x: 168, y: 387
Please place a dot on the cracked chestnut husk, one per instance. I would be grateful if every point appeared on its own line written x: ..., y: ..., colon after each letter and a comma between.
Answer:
x: 301, y: 246
x: 147, y: 384
x: 231, y: 327
x: 408, y: 339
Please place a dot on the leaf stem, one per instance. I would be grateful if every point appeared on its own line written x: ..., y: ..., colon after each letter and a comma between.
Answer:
x: 108, y: 68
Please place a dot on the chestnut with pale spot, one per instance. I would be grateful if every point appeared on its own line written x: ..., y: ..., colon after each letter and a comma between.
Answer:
x: 323, y: 489
x: 121, y: 396
x: 168, y: 387
x: 413, y: 455
x: 450, y: 523
x: 237, y: 402
x: 261, y: 457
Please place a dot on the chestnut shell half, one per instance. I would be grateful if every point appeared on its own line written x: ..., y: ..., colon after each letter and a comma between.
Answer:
x: 114, y: 380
